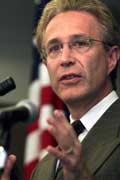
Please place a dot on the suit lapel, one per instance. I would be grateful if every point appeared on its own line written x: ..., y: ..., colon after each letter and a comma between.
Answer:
x: 46, y: 169
x: 97, y: 155
x: 102, y: 139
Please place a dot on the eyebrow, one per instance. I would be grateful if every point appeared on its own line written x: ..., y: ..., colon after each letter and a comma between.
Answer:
x: 53, y: 41
x: 74, y: 36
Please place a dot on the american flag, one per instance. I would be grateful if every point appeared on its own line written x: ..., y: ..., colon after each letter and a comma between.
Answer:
x: 41, y: 94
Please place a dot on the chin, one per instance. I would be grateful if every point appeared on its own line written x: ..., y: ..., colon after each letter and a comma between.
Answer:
x: 74, y: 97
x: 72, y: 94
x: 67, y: 98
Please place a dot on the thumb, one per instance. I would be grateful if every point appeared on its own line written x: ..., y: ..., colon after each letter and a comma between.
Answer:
x: 8, y: 167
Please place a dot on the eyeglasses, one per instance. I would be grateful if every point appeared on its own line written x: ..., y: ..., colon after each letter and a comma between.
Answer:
x: 79, y: 44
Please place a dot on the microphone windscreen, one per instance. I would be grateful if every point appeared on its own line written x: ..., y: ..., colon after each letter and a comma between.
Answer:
x: 30, y: 108
x: 6, y: 86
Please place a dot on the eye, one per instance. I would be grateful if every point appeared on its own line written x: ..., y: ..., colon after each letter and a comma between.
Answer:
x: 54, y: 48
x: 79, y: 43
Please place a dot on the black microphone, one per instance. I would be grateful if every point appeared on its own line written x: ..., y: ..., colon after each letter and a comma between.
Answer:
x: 25, y: 111
x: 7, y: 85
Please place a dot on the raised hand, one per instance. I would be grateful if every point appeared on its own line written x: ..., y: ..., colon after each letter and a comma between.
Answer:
x: 70, y: 150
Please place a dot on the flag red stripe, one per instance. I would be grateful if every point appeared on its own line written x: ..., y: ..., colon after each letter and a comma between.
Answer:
x: 46, y: 95
x: 32, y: 127
x: 47, y: 139
x: 29, y: 168
x: 49, y: 97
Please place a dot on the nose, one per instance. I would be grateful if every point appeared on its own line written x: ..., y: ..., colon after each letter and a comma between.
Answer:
x: 67, y: 58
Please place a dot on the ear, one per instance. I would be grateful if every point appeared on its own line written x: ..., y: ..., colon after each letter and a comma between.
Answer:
x: 114, y: 55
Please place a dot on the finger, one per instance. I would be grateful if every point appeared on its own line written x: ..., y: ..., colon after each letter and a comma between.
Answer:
x: 59, y: 122
x: 55, y: 123
x: 56, y: 152
x: 57, y: 119
x: 51, y: 124
x: 60, y: 117
x: 9, y: 165
x: 61, y: 130
x: 66, y: 159
x: 62, y: 122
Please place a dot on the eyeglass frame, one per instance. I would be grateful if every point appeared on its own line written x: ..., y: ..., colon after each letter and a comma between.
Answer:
x: 89, y: 40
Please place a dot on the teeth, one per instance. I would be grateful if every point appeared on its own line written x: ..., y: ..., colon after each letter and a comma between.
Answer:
x: 70, y: 77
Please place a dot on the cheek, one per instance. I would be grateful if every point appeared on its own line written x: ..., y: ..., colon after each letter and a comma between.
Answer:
x: 96, y: 69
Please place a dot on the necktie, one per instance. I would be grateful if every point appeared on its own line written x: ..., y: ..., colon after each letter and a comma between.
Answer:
x: 78, y: 127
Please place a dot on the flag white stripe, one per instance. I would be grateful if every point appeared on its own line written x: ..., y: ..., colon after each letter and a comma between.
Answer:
x: 44, y: 77
x: 32, y: 145
x: 46, y: 111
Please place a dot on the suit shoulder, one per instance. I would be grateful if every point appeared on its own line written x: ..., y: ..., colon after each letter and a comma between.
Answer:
x: 42, y: 167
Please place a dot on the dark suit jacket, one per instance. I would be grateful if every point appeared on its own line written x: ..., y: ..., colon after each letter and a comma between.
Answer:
x: 101, y: 148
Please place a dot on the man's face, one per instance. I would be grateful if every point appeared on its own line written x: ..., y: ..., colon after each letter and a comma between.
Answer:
x: 77, y: 76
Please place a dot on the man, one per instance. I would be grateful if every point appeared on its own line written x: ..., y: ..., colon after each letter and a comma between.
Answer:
x: 79, y: 41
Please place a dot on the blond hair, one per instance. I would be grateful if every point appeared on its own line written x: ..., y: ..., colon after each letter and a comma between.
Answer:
x: 109, y: 29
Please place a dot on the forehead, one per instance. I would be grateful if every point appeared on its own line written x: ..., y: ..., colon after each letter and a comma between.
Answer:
x: 66, y: 24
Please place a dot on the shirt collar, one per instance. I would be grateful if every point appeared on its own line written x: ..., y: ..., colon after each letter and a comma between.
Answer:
x: 94, y: 114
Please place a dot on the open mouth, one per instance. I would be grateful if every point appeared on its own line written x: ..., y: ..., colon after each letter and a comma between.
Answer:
x: 69, y: 77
